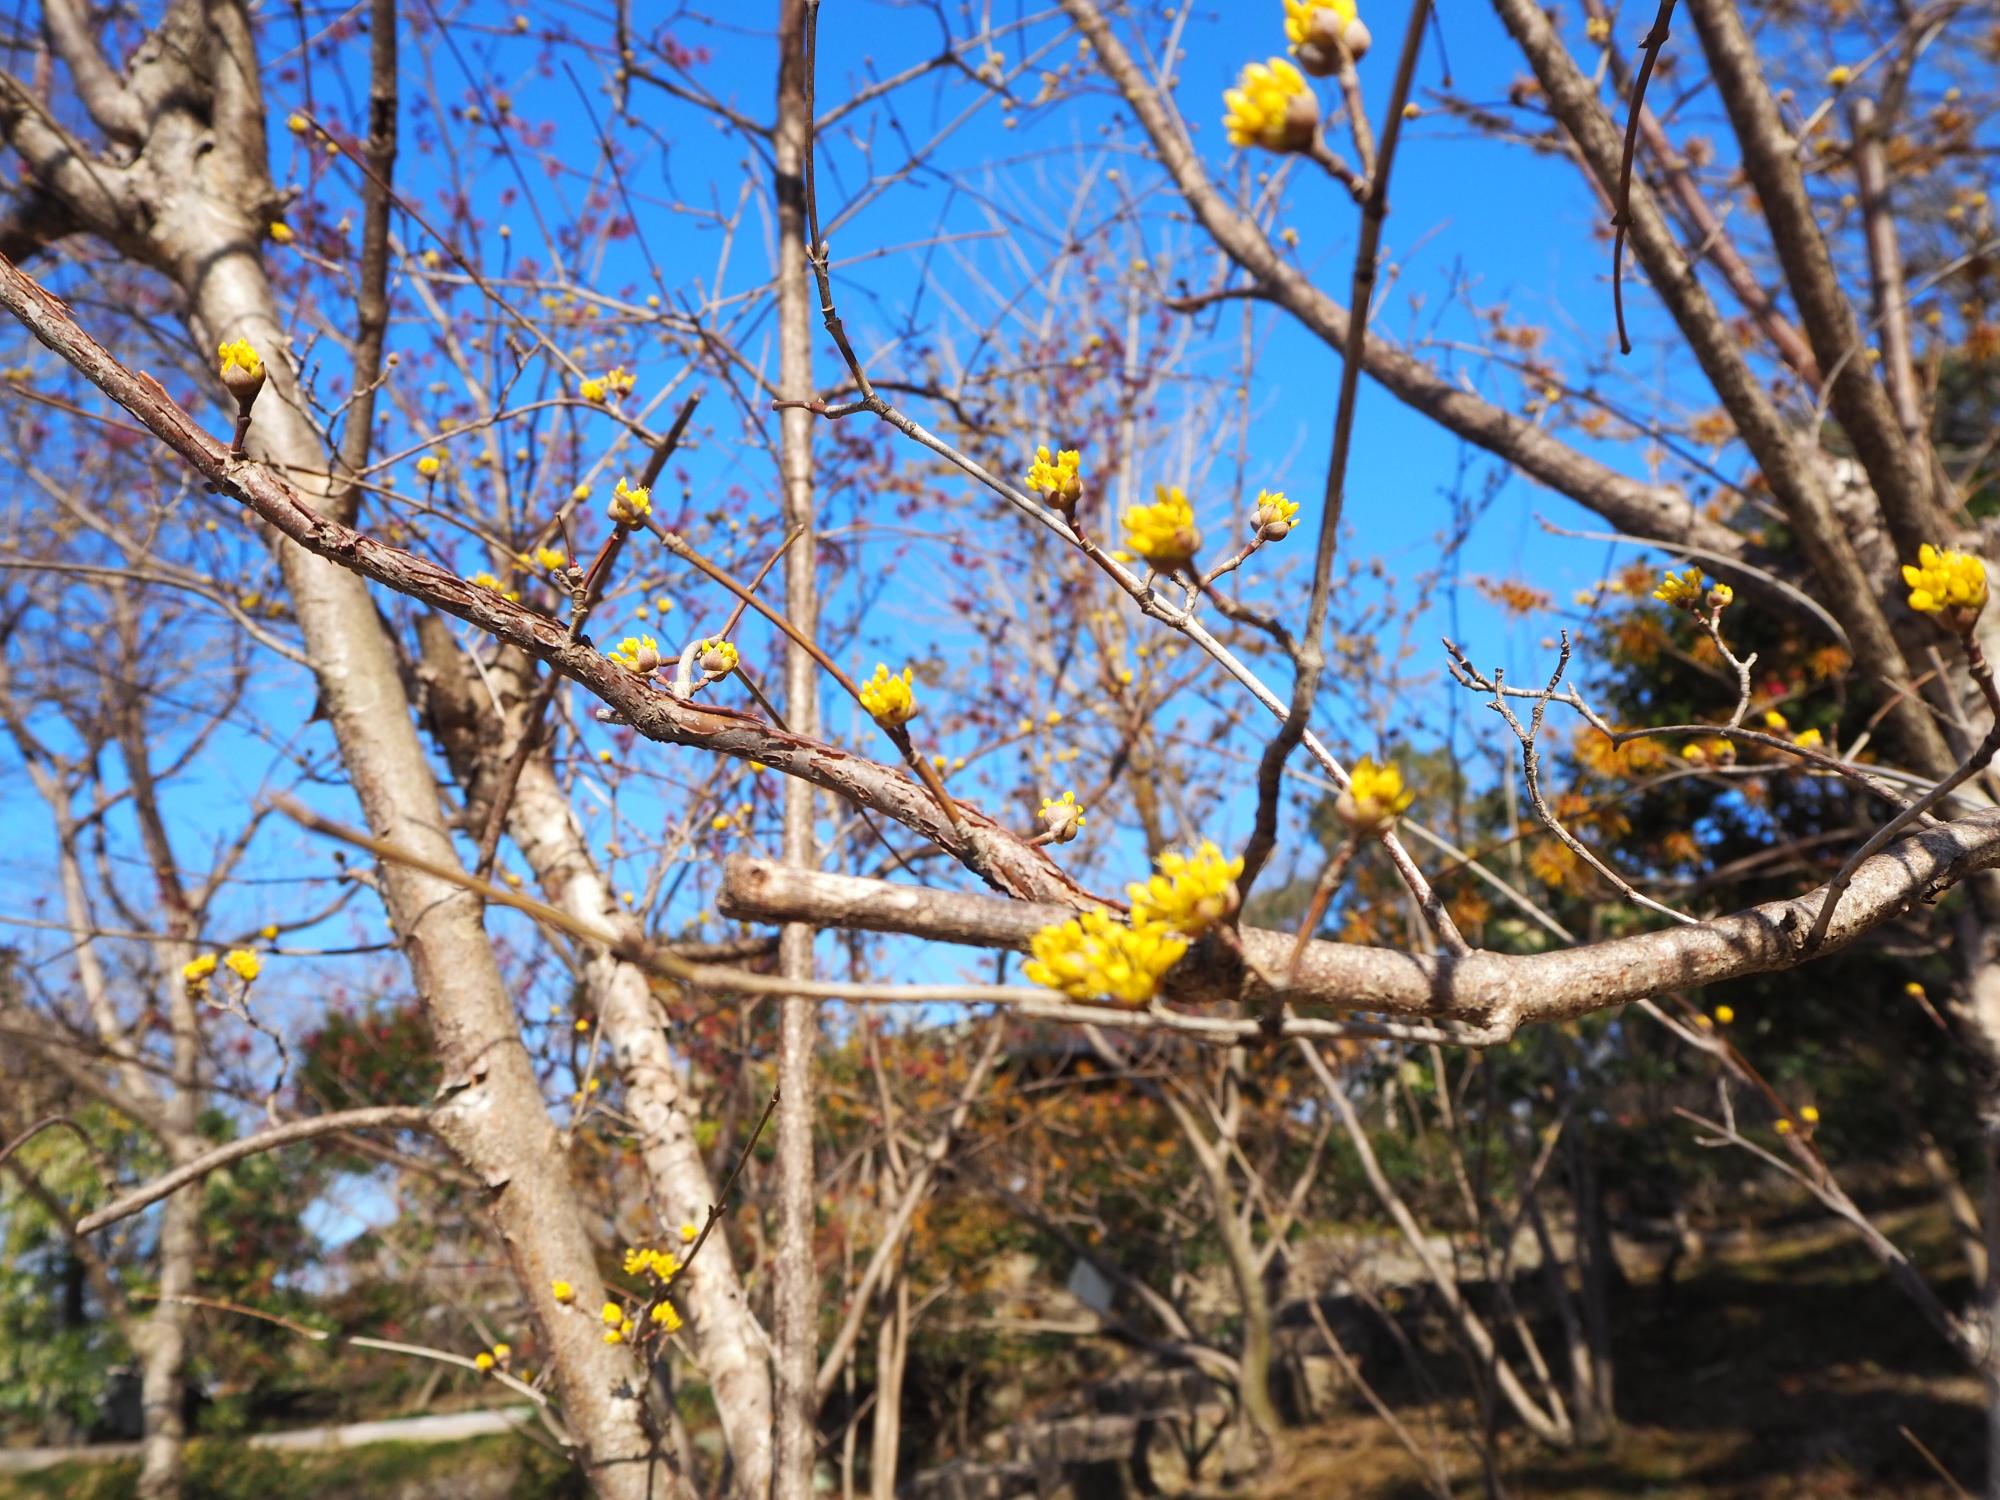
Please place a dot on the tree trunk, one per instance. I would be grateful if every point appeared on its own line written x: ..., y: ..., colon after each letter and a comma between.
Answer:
x: 892, y: 1349
x: 495, y: 1118
x: 730, y: 1346
x: 796, y: 1274
x: 163, y: 1342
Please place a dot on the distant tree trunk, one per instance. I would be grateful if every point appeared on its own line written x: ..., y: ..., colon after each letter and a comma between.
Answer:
x: 163, y: 1344
x: 892, y: 1350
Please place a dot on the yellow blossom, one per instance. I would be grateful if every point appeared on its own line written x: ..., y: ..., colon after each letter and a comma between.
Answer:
x: 1321, y: 30
x: 1943, y: 580
x: 1810, y: 1114
x: 1839, y: 75
x: 1724, y: 1014
x: 1784, y: 1127
x: 550, y: 558
x: 612, y: 1315
x: 1682, y: 590
x: 1300, y: 15
x: 1375, y: 796
x: 1058, y: 478
x: 297, y: 124
x: 281, y: 233
x: 1275, y: 516
x: 580, y: 493
x: 1809, y: 739
x: 562, y: 1291
x: 614, y: 382
x: 583, y: 1023
x: 688, y: 1234
x: 667, y: 1317
x: 241, y: 369
x: 483, y: 1361
x: 196, y: 971
x: 429, y: 465
x: 1097, y: 957
x: 1598, y: 29
x: 637, y: 653
x: 1191, y: 892
x: 659, y: 1264
x: 1164, y: 532
x: 1272, y: 106
x: 1775, y: 720
x: 718, y: 657
x: 1061, y: 818
x: 888, y: 698
x: 629, y: 506
x: 244, y: 964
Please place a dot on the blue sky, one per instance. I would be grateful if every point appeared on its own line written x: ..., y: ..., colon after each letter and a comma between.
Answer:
x: 1513, y: 226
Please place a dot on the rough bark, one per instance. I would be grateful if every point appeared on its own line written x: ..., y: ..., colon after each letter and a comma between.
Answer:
x: 1857, y: 399
x: 193, y: 205
x: 729, y: 1344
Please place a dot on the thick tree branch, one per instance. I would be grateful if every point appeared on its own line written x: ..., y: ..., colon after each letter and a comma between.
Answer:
x: 1502, y: 991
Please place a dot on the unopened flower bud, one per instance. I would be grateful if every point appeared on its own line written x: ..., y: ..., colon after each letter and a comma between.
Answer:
x: 718, y: 657
x: 1061, y: 818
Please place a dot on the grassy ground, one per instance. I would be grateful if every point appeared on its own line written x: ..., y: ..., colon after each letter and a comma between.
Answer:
x: 1789, y: 1369
x: 498, y: 1468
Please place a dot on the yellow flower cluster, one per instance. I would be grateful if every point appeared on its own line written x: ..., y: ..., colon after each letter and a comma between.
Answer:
x: 1301, y: 14
x: 661, y: 1265
x: 1097, y: 957
x: 241, y: 962
x: 1191, y: 892
x: 614, y: 382
x: 550, y: 558
x: 617, y: 1327
x: 242, y: 374
x: 667, y: 1316
x: 1375, y: 796
x: 718, y: 656
x: 1683, y: 591
x: 240, y: 357
x: 429, y: 465
x: 562, y: 1291
x: 888, y: 698
x: 637, y: 653
x: 281, y: 233
x: 630, y: 506
x: 1272, y: 106
x: 1164, y: 532
x: 1275, y: 516
x: 1061, y: 818
x: 1323, y: 31
x: 1059, y: 478
x: 1946, y: 580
